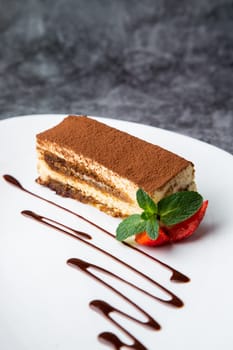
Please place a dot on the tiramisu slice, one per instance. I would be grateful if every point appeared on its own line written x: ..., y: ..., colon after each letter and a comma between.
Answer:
x: 94, y: 163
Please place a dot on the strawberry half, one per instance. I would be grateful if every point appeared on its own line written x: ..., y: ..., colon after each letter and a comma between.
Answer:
x: 176, y: 232
x: 144, y: 239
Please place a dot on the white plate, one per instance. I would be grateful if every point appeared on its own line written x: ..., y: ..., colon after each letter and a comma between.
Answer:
x: 44, y: 303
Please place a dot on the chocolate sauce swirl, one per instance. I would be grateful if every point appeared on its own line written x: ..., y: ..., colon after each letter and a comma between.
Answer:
x: 109, y: 337
x: 85, y: 266
x: 106, y: 309
x: 101, y: 306
x: 174, y: 300
x: 176, y: 275
x: 57, y: 225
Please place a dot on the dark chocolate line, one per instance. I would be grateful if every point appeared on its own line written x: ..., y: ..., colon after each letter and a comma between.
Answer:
x: 106, y: 309
x: 57, y: 225
x: 176, y: 275
x: 84, y: 266
x: 109, y: 337
x: 174, y: 300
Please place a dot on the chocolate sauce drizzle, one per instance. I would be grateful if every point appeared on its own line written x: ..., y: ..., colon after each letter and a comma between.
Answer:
x: 106, y: 309
x: 109, y: 337
x: 173, y: 301
x: 99, y: 305
x: 176, y: 275
x: 57, y: 225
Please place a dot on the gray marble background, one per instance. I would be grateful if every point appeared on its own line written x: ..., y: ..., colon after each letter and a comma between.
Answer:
x: 167, y: 63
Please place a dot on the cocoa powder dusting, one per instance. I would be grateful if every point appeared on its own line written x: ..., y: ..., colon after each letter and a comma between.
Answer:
x: 147, y: 165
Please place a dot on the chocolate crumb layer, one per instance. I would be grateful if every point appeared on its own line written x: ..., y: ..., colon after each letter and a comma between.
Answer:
x: 148, y: 166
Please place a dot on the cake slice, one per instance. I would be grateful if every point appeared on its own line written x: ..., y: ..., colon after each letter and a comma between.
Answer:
x: 94, y: 163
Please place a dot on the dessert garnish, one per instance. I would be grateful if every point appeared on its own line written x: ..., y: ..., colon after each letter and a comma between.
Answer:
x: 173, y: 218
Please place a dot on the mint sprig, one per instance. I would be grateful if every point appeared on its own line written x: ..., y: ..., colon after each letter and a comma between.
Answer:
x: 168, y: 211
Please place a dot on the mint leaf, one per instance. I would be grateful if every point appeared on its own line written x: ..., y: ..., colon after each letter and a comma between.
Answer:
x: 130, y: 226
x: 179, y: 207
x: 145, y: 215
x: 145, y: 202
x: 152, y: 227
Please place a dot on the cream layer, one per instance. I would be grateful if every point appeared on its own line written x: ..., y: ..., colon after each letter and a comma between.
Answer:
x: 87, y: 186
x: 105, y: 200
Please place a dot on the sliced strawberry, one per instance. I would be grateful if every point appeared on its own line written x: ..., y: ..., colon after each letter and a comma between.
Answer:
x: 176, y: 232
x: 144, y: 239
x: 188, y: 227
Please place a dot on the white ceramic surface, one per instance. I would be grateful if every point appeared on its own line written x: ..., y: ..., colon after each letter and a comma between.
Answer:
x: 44, y: 303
